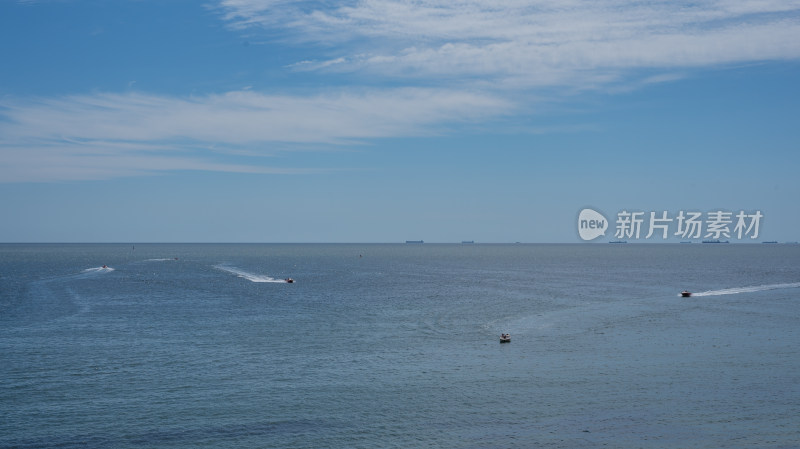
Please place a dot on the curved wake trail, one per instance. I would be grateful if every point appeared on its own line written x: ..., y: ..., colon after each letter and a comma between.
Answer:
x: 751, y: 289
x: 249, y: 276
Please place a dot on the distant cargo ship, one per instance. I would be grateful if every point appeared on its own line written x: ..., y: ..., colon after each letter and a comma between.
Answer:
x: 715, y: 241
x: 618, y: 241
x: 468, y: 241
x: 771, y: 241
x: 414, y: 241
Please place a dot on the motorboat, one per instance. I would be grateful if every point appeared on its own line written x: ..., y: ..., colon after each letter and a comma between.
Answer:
x: 289, y: 281
x: 505, y: 338
x: 686, y: 293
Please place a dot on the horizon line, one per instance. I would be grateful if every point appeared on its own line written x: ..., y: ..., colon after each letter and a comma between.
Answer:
x: 412, y: 243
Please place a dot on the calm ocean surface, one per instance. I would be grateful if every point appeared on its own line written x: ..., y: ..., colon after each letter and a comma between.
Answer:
x: 397, y: 346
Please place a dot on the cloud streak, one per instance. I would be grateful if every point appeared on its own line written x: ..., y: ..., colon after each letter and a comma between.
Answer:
x: 529, y: 43
x: 107, y: 135
x: 461, y: 62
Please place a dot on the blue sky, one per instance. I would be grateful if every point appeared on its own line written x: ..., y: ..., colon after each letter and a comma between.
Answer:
x: 388, y: 120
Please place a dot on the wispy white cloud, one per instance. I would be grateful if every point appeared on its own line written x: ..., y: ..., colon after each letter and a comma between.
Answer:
x: 102, y: 161
x: 529, y: 42
x: 106, y: 135
x: 479, y: 60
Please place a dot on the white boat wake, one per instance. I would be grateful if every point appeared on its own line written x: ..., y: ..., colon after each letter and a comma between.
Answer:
x: 751, y: 289
x: 252, y: 277
x: 103, y: 269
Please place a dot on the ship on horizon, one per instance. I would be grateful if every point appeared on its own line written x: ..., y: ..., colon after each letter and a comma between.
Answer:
x: 414, y: 241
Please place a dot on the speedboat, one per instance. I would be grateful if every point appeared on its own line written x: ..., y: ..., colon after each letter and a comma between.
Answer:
x: 289, y: 281
x: 105, y: 266
x: 686, y: 293
x: 505, y: 338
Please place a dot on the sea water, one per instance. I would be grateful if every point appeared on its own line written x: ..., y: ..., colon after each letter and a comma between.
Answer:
x: 187, y: 346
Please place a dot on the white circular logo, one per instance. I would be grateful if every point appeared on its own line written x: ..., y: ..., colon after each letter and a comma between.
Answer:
x: 591, y: 224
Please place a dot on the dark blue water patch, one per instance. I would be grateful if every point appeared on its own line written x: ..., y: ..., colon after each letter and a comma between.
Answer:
x: 38, y: 301
x: 277, y: 433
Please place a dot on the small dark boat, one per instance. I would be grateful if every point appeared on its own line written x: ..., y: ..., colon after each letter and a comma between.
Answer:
x: 289, y: 281
x: 505, y: 338
x: 105, y: 266
x: 686, y: 293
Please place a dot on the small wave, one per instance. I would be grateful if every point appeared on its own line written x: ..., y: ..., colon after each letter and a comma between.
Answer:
x: 750, y: 289
x: 252, y: 277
